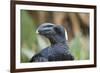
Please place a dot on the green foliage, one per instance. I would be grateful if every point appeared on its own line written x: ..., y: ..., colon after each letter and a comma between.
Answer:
x: 77, y: 48
x: 28, y: 29
x: 28, y: 36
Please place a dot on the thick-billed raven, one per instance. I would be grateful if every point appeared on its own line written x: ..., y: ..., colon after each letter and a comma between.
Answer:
x: 58, y: 51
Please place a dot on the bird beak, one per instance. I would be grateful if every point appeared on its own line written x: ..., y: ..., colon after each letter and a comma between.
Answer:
x: 37, y: 31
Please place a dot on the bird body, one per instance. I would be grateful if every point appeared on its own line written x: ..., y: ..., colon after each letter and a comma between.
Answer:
x: 59, y: 50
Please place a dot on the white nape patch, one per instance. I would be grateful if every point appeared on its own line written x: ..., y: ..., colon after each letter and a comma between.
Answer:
x: 43, y: 42
x: 66, y: 35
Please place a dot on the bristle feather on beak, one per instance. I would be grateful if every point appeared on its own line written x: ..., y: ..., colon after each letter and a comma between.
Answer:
x: 66, y: 35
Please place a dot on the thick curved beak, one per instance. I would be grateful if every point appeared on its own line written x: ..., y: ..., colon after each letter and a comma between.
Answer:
x: 45, y: 30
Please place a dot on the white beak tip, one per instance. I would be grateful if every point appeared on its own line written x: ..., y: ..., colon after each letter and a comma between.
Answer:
x: 37, y: 32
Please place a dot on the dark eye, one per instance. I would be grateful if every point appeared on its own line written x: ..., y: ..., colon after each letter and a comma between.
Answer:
x: 57, y: 30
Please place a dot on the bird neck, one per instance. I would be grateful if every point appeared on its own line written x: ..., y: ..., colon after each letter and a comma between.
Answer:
x: 53, y: 42
x: 60, y: 44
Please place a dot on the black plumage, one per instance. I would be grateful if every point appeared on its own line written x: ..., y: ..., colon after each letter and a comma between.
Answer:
x: 58, y: 51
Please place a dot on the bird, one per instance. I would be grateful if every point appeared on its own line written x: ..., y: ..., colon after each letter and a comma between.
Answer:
x: 58, y: 50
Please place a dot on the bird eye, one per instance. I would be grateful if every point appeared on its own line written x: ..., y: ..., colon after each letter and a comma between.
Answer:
x: 57, y: 30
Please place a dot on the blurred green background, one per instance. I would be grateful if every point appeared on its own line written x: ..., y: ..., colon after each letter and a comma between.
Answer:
x: 76, y: 24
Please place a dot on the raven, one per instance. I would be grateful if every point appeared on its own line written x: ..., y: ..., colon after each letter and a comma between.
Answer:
x: 59, y: 50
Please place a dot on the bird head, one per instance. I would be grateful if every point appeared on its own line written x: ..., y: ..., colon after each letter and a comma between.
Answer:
x: 55, y: 33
